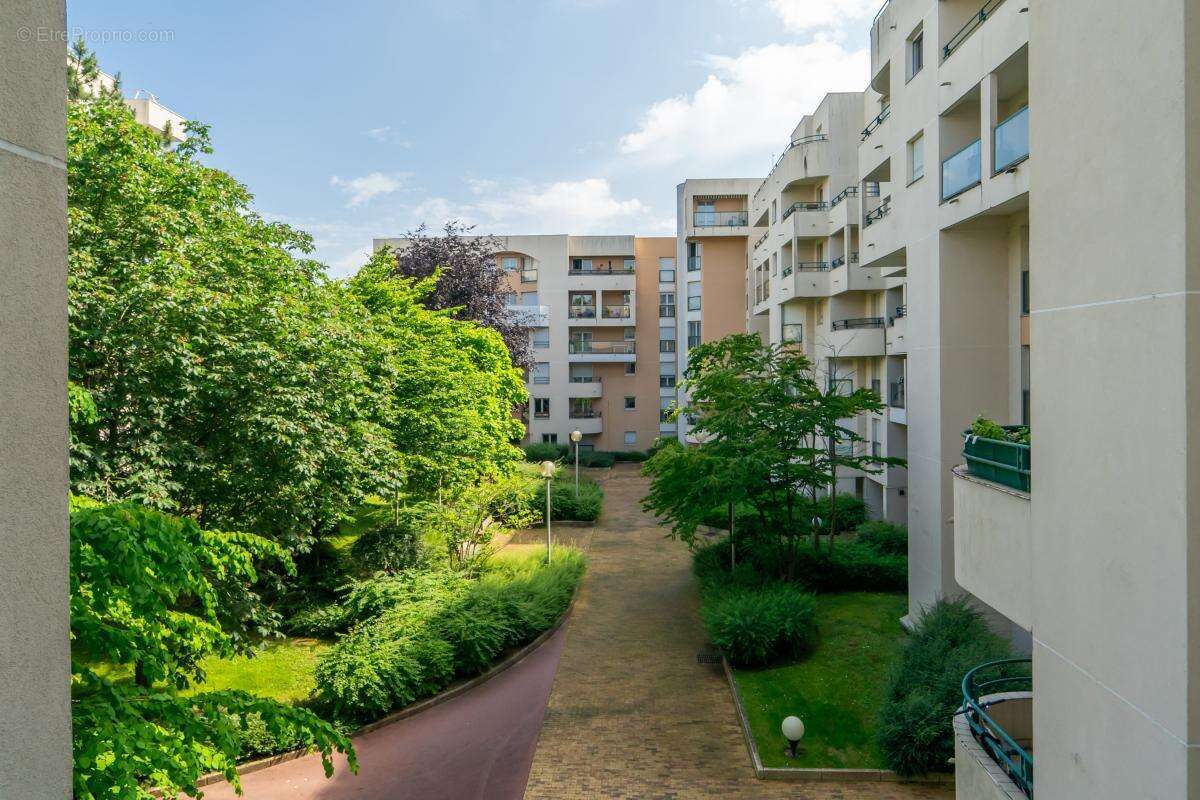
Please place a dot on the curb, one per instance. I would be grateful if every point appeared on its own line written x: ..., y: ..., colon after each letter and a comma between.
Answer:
x: 810, y: 774
x: 452, y: 692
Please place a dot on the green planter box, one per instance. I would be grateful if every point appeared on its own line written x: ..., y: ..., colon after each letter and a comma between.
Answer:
x: 1006, y: 463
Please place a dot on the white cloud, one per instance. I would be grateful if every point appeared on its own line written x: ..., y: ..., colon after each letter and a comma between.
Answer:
x: 363, y: 189
x: 379, y: 134
x: 804, y: 15
x: 748, y: 103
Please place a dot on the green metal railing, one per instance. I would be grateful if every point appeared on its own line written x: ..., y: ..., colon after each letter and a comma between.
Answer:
x: 971, y: 25
x: 849, y: 191
x: 811, y: 205
x: 875, y: 123
x: 992, y: 678
x: 1006, y: 463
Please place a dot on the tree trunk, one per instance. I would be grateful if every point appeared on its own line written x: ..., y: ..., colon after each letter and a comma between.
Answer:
x: 732, y: 549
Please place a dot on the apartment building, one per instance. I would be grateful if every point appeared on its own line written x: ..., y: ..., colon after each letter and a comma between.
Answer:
x: 707, y: 300
x: 146, y: 109
x: 593, y: 305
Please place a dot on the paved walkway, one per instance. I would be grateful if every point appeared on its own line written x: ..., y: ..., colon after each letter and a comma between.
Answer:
x: 477, y: 746
x: 632, y: 715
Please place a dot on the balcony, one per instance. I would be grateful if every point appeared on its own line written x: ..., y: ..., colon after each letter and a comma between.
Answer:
x: 993, y: 526
x: 861, y: 337
x: 582, y: 352
x: 622, y: 312
x: 993, y: 731
x: 841, y: 260
x: 154, y: 115
x: 530, y: 316
x: 589, y: 386
x: 720, y: 219
x: 874, y: 124
x: 896, y: 394
x: 961, y: 171
x: 601, y: 270
x: 971, y: 25
x: 805, y: 279
x: 622, y: 279
x: 1010, y: 141
x: 586, y: 420
x: 878, y: 213
x: 897, y: 331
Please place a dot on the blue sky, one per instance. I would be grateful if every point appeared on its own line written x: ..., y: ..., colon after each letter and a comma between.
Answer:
x: 363, y: 118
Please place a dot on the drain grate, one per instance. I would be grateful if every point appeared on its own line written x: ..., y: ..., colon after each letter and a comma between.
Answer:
x: 708, y: 657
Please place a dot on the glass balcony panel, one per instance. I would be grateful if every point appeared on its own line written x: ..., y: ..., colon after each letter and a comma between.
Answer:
x: 1012, y: 140
x: 961, y: 170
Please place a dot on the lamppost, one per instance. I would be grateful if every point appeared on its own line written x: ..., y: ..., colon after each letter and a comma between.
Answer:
x: 576, y: 436
x: 793, y: 731
x: 548, y: 474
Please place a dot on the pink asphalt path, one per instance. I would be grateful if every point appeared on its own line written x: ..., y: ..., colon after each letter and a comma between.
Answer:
x: 477, y: 746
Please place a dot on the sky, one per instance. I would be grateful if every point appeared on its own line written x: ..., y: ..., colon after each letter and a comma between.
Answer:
x: 358, y: 119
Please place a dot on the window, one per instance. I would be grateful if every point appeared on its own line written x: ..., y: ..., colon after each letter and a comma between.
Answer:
x: 630, y: 403
x: 630, y: 334
x: 666, y: 375
x: 581, y: 265
x: 693, y: 297
x: 693, y: 334
x: 916, y: 53
x: 549, y: 438
x: 630, y: 264
x: 916, y: 158
x: 541, y: 372
x: 841, y: 386
x: 666, y: 270
x: 694, y: 251
x: 541, y: 406
x: 529, y: 298
x: 510, y: 264
x: 666, y: 345
x: 1025, y: 292
x: 665, y: 406
x: 630, y: 438
x: 774, y: 211
x: 666, y: 304
x: 706, y: 213
x: 541, y: 338
x: 510, y: 298
x: 630, y: 368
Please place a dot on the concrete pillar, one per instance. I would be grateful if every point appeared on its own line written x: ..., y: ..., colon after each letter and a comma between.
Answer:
x: 35, y: 722
x: 1115, y: 240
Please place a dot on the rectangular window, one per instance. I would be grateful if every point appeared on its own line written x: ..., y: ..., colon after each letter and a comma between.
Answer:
x: 541, y: 372
x: 666, y: 304
x: 541, y: 338
x: 842, y: 386
x: 665, y: 406
x: 1025, y: 291
x: 916, y: 158
x: 630, y: 368
x: 666, y: 374
x: 916, y: 54
x: 630, y: 403
x: 630, y: 334
x: 693, y: 304
x: 630, y: 264
x: 510, y: 298
x: 510, y: 264
x: 529, y: 298
x: 694, y: 252
x: 581, y: 265
x: 630, y: 438
x: 693, y: 296
x: 550, y: 438
x: 693, y: 330
x: 666, y: 345
x: 541, y: 406
x: 666, y: 276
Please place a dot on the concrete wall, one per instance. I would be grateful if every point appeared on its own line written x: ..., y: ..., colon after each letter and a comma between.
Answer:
x: 1116, y: 374
x: 992, y: 546
x: 35, y: 721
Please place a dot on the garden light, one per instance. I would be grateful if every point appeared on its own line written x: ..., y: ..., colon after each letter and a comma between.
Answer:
x: 548, y: 474
x: 575, y: 437
x: 793, y: 731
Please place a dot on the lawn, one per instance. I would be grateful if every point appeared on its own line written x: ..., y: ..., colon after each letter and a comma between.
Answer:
x: 836, y: 690
x: 282, y: 671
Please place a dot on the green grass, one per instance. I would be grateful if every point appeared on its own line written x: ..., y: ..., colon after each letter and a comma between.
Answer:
x: 282, y: 671
x: 837, y: 690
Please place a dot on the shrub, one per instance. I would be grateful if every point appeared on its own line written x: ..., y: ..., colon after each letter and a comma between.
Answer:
x: 757, y: 625
x: 630, y: 455
x: 545, y: 451
x: 884, y: 538
x: 395, y: 546
x: 851, y: 512
x: 565, y: 504
x: 436, y: 626
x: 990, y: 429
x: 851, y: 567
x: 597, y: 459
x: 321, y: 622
x: 925, y: 688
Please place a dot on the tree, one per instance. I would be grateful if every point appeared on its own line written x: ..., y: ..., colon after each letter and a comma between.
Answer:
x: 768, y: 436
x: 83, y: 76
x: 152, y: 595
x: 470, y: 281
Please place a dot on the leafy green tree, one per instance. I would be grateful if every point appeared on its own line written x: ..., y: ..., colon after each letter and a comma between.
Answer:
x: 770, y: 437
x: 152, y: 595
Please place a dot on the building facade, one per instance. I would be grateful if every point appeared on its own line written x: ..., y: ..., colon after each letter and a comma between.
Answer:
x: 594, y: 308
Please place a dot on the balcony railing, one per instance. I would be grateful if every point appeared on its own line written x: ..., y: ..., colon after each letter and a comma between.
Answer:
x: 1010, y: 140
x: 840, y: 260
x: 541, y: 415
x: 793, y: 332
x: 961, y: 171
x: 583, y: 413
x: 808, y: 205
x: 602, y: 348
x: 970, y: 27
x: 615, y: 312
x: 874, y: 124
x: 760, y: 240
x: 878, y: 213
x: 541, y: 378
x: 993, y: 678
x: 896, y: 394
x: 816, y: 137
x: 582, y: 312
x: 849, y: 191
x: 585, y: 379
x: 858, y: 323
x: 622, y: 270
x: 529, y: 276
x: 720, y: 219
x: 1004, y: 462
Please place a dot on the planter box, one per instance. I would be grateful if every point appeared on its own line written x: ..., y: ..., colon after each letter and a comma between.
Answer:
x: 1006, y: 463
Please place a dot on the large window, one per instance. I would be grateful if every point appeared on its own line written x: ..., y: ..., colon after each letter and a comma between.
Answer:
x: 693, y: 339
x: 665, y: 406
x: 666, y: 304
x: 693, y: 297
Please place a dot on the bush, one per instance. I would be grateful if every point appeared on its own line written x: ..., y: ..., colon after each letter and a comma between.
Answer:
x: 321, y: 622
x: 395, y: 546
x: 884, y: 538
x: 544, y: 451
x: 565, y: 504
x: 851, y: 512
x: 596, y: 459
x: 925, y: 688
x: 437, y: 626
x: 635, y: 456
x: 851, y: 567
x: 754, y: 626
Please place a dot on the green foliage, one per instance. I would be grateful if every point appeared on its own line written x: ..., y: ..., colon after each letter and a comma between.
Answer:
x: 158, y: 594
x: 395, y: 546
x: 439, y: 626
x: 565, y: 504
x: 850, y: 567
x: 630, y: 456
x: 884, y: 538
x: 597, y: 459
x: 545, y: 451
x: 231, y: 380
x: 925, y: 687
x: 322, y: 621
x: 758, y: 625
x: 844, y: 512
x: 990, y: 429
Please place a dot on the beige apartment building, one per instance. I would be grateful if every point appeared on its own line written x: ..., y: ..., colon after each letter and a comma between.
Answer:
x: 601, y: 357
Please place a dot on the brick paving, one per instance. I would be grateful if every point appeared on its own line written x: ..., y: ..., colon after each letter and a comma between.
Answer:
x: 632, y: 714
